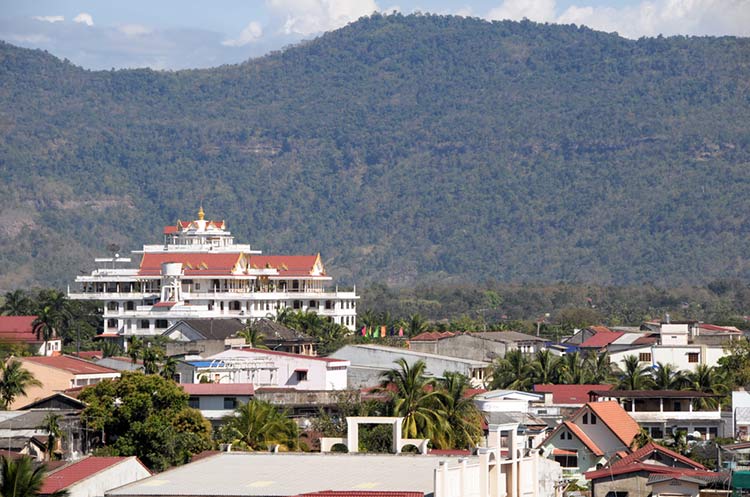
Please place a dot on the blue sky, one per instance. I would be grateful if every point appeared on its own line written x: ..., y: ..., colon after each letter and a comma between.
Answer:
x: 171, y: 34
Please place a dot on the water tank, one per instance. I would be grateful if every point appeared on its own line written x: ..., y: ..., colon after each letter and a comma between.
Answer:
x: 171, y: 269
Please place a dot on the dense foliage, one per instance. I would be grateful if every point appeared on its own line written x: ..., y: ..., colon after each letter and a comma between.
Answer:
x: 145, y: 416
x: 404, y: 148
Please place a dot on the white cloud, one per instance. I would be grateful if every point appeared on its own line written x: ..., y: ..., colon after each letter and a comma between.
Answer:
x: 515, y: 10
x: 645, y: 18
x: 84, y: 18
x: 305, y: 17
x: 464, y: 12
x: 51, y: 19
x: 252, y: 32
x: 134, y: 29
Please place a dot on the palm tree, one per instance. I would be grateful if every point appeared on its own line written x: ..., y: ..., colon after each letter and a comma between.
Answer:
x: 573, y: 370
x: 16, y: 303
x: 416, y: 325
x: 634, y: 376
x: 45, y: 325
x: 601, y: 369
x: 462, y: 415
x: 110, y: 349
x: 19, y: 478
x: 168, y: 368
x: 135, y: 349
x: 257, y: 424
x: 666, y: 377
x: 252, y: 336
x: 14, y: 380
x: 512, y: 371
x: 545, y: 367
x: 707, y: 379
x: 415, y: 398
x: 51, y: 425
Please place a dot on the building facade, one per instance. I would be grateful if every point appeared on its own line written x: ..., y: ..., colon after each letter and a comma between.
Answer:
x: 198, y: 272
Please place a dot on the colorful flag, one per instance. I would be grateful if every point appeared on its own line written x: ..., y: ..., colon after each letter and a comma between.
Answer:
x: 382, y: 331
x: 364, y: 330
x: 400, y: 332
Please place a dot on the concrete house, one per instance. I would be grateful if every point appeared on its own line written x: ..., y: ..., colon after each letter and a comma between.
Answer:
x: 482, y: 346
x: 216, y: 400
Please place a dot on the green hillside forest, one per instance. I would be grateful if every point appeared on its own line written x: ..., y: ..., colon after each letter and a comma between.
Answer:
x: 405, y: 149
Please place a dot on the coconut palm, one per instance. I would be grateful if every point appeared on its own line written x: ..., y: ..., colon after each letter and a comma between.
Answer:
x: 257, y: 424
x: 462, y: 415
x: 573, y: 370
x: 634, y: 376
x: 415, y: 325
x: 14, y: 380
x: 51, y: 425
x: 168, y: 368
x: 415, y: 398
x: 252, y: 336
x: 707, y: 379
x: 16, y: 303
x: 135, y: 349
x: 601, y: 370
x: 667, y: 377
x: 45, y: 325
x: 545, y: 367
x: 21, y: 478
x: 512, y: 371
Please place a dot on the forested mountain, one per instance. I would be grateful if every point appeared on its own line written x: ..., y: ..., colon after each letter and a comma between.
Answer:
x: 403, y: 148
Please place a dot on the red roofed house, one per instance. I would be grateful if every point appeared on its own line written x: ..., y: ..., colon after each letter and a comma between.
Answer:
x: 200, y: 273
x: 60, y: 373
x: 569, y: 395
x: 591, y: 437
x: 94, y: 476
x: 20, y: 329
x: 216, y: 400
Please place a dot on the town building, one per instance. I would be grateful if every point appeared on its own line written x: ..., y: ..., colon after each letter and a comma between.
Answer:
x: 266, y: 368
x: 662, y: 412
x: 58, y: 374
x: 93, y: 476
x: 216, y: 400
x: 21, y: 432
x: 477, y: 346
x: 369, y: 362
x: 199, y: 272
x: 20, y: 330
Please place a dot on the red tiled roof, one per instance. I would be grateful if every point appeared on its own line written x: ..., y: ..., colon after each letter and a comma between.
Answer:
x: 193, y: 263
x: 569, y: 394
x: 471, y: 392
x: 90, y: 354
x: 18, y: 329
x: 564, y: 452
x: 286, y: 265
x: 583, y: 437
x: 617, y: 420
x: 601, y: 339
x: 650, y: 468
x: 362, y: 493
x: 646, y: 340
x: 714, y: 327
x: 600, y: 329
x: 78, y: 471
x: 69, y: 364
x: 218, y: 388
x: 289, y: 354
x: 431, y: 336
x: 645, y: 452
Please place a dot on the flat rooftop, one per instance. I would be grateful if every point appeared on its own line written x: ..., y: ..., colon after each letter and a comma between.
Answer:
x: 289, y: 474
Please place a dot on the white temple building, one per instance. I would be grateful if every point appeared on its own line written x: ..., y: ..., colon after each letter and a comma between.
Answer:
x: 200, y: 273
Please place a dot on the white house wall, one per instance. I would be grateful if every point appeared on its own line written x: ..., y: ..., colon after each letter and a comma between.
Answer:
x: 115, y: 476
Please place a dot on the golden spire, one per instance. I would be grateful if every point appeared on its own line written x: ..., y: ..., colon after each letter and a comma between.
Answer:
x: 201, y: 214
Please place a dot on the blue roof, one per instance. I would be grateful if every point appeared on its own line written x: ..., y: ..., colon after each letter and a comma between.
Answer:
x: 204, y: 364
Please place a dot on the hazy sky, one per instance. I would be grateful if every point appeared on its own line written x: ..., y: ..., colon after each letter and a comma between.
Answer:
x: 177, y: 34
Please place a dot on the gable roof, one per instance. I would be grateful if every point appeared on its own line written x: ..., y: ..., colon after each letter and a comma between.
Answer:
x: 71, y: 474
x: 18, y: 329
x: 581, y: 435
x: 55, y: 401
x: 273, y: 331
x: 193, y: 263
x: 617, y: 420
x: 649, y: 449
x: 601, y: 339
x: 67, y: 363
x: 210, y: 329
x: 431, y: 336
x: 569, y: 394
x: 288, y: 265
x: 609, y: 472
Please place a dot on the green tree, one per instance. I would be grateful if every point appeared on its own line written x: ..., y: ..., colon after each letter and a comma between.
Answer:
x: 415, y: 398
x: 22, y: 478
x: 666, y: 377
x: 707, y: 379
x: 145, y: 416
x: 634, y: 376
x: 574, y: 370
x: 252, y: 336
x: 45, y: 325
x: 14, y: 380
x: 415, y: 325
x: 461, y: 413
x: 514, y: 372
x: 258, y: 424
x: 545, y: 367
x: 601, y: 370
x: 17, y: 303
x: 51, y: 425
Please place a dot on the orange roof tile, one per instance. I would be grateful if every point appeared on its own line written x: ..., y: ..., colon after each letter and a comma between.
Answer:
x: 616, y: 419
x: 569, y: 394
x: 193, y: 263
x: 601, y: 339
x: 286, y: 265
x: 430, y: 336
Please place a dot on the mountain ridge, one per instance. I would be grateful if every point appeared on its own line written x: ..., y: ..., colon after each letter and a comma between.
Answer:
x: 403, y: 148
